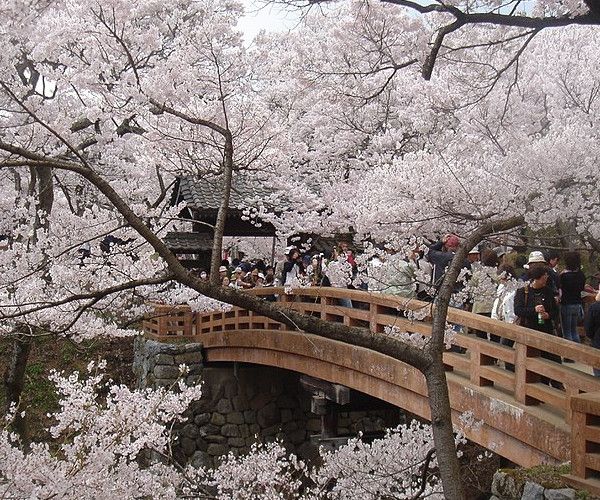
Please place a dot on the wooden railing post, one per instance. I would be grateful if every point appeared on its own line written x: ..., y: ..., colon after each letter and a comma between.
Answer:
x: 374, y: 325
x: 585, y: 442
x: 478, y: 359
x: 522, y: 375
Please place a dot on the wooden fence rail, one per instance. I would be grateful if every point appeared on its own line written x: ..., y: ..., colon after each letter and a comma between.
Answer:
x: 573, y: 395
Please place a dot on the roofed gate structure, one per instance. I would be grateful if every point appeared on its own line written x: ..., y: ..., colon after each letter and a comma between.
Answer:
x: 203, y: 199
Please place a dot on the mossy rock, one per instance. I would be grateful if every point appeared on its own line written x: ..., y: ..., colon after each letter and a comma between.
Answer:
x: 548, y: 476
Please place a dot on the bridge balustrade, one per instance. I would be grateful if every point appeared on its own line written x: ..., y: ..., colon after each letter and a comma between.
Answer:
x: 483, y: 362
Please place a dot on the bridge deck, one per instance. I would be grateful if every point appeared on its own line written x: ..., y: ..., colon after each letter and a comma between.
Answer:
x: 519, y: 416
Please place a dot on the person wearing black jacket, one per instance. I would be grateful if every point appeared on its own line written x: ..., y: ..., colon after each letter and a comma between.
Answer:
x: 571, y: 284
x: 592, y: 326
x: 292, y: 267
x: 537, y: 309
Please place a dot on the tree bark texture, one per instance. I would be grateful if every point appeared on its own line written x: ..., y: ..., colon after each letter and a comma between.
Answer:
x: 14, y: 383
x: 14, y: 375
x: 217, y: 249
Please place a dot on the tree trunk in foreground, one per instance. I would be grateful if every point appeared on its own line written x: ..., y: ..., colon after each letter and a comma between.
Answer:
x: 217, y: 249
x: 435, y: 374
x: 14, y: 383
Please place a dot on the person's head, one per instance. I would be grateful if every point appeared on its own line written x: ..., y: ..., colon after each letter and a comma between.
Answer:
x: 538, y: 275
x: 269, y: 270
x: 572, y: 261
x: 536, y: 259
x: 489, y: 258
x: 452, y: 242
x: 474, y: 255
x: 501, y: 252
x: 254, y: 273
x: 552, y: 257
x: 203, y: 275
x: 225, y: 281
x: 223, y: 271
x: 289, y: 252
x: 344, y: 246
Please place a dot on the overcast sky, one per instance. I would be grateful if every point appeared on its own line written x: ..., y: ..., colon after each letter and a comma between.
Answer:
x: 269, y: 18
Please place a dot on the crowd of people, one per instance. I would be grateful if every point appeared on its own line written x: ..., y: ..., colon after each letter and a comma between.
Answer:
x: 315, y: 269
x: 536, y: 292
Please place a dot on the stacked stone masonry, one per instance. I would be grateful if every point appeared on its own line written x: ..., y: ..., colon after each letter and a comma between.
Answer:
x: 505, y: 487
x: 240, y: 405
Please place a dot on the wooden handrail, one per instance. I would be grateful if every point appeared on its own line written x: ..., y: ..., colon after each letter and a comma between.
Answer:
x: 482, y: 362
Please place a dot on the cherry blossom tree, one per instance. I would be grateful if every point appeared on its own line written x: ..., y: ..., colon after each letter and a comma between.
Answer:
x: 144, y: 94
x: 140, y: 93
x: 101, y: 430
x: 446, y: 19
x: 500, y: 137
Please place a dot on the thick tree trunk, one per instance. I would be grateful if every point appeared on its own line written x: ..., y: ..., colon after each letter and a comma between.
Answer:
x: 443, y: 431
x: 217, y: 249
x: 437, y: 384
x: 437, y: 387
x: 14, y: 383
x: 14, y: 375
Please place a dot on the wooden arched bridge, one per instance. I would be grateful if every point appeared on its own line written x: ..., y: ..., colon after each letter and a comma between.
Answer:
x: 523, y: 419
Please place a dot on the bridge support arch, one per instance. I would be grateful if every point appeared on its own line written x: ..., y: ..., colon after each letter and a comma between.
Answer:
x: 243, y: 403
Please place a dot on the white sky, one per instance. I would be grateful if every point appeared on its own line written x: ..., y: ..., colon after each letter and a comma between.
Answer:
x: 266, y: 17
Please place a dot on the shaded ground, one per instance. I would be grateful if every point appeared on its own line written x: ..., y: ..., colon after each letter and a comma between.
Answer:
x: 48, y: 354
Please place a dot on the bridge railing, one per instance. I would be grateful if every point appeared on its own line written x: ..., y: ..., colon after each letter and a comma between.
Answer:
x: 585, y: 442
x: 485, y: 363
x: 520, y: 371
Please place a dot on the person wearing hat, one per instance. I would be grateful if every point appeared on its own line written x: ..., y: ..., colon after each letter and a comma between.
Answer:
x: 535, y: 259
x: 241, y: 278
x: 474, y: 255
x: 536, y: 308
x: 223, y: 272
x: 538, y: 259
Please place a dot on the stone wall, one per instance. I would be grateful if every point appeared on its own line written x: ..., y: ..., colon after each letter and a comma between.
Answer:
x: 240, y: 405
x: 506, y: 487
x: 156, y: 364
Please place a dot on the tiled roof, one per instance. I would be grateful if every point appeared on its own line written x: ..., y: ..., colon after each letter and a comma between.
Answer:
x: 188, y: 242
x: 206, y: 193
